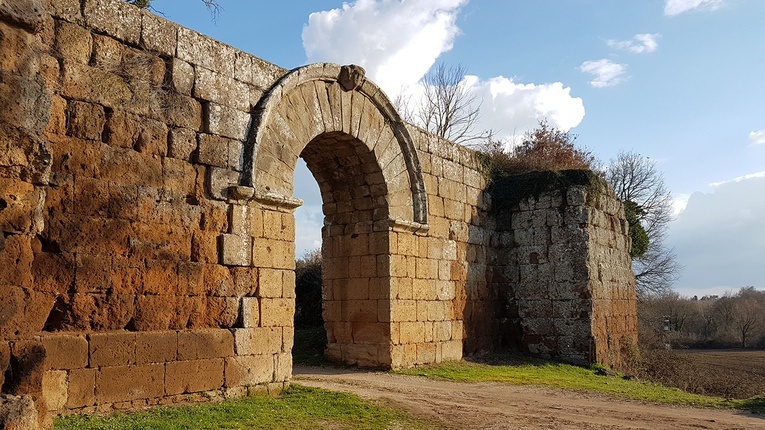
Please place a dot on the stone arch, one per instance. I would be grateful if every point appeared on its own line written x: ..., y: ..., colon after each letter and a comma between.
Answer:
x: 326, y: 99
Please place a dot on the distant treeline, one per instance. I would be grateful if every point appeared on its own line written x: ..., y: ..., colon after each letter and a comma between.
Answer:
x: 731, y: 320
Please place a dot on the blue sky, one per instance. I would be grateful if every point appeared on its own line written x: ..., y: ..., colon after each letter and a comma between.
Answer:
x: 679, y: 81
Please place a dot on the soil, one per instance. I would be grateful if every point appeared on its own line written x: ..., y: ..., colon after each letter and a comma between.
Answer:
x: 457, y: 405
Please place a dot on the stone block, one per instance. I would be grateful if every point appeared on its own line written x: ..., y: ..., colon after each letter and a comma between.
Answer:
x: 372, y: 333
x: 275, y: 254
x: 182, y: 144
x: 202, y: 50
x: 426, y: 353
x: 193, y: 376
x: 246, y: 370
x: 258, y: 340
x: 276, y: 312
x: 158, y: 34
x: 235, y: 250
x: 213, y: 150
x: 82, y: 388
x: 270, y: 283
x: 28, y: 360
x: 112, y: 349
x: 204, y: 247
x: 245, y: 281
x: 219, y: 180
x: 107, y: 53
x: 68, y: 10
x: 249, y: 312
x: 411, y: 332
x: 182, y: 76
x: 225, y: 121
x: 283, y: 367
x: 179, y: 178
x: 85, y: 120
x: 73, y: 42
x: 18, y: 412
x: 55, y: 389
x: 128, y: 383
x: 182, y: 111
x: 118, y: 19
x: 156, y: 347
x: 82, y: 82
x: 205, y: 343
x: 222, y: 89
x: 65, y: 351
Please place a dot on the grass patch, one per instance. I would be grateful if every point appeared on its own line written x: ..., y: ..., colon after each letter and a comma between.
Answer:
x: 529, y: 371
x: 297, y: 408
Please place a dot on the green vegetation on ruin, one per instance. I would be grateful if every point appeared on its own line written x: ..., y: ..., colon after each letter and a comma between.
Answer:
x: 520, y: 370
x: 297, y: 408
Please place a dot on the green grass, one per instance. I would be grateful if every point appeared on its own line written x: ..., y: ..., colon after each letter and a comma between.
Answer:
x: 526, y: 371
x: 297, y: 408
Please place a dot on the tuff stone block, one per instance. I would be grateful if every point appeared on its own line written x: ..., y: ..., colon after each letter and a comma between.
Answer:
x: 194, y: 376
x: 66, y: 351
x: 262, y: 340
x: 201, y: 344
x: 112, y: 349
x: 156, y: 347
x: 128, y: 383
x: 81, y: 388
x: 246, y: 370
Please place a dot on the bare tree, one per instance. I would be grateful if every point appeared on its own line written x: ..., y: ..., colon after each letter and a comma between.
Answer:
x: 638, y: 182
x: 448, y: 109
x: 745, y: 318
x: 212, y: 5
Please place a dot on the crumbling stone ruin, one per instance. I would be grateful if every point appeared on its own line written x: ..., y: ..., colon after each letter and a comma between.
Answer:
x: 146, y: 210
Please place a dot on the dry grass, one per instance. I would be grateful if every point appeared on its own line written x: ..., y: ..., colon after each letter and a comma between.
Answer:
x: 733, y: 374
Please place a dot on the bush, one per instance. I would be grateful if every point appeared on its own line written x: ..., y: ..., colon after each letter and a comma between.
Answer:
x: 545, y: 148
x: 308, y: 290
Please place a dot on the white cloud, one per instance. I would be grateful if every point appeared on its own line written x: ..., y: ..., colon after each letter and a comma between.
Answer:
x: 639, y: 44
x: 605, y: 72
x: 757, y: 137
x: 676, y: 7
x: 720, y: 236
x: 395, y: 41
x: 511, y: 108
x: 679, y: 203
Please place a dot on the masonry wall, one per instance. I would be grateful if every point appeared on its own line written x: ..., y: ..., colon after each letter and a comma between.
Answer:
x: 561, y: 266
x: 141, y: 263
x: 120, y: 255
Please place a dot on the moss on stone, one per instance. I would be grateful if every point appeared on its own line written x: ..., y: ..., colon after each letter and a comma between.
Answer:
x: 507, y: 191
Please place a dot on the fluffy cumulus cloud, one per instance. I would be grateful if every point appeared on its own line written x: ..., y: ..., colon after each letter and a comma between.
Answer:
x: 395, y: 41
x: 720, y: 237
x: 510, y: 108
x: 604, y: 72
x: 757, y: 137
x: 676, y: 7
x: 639, y: 44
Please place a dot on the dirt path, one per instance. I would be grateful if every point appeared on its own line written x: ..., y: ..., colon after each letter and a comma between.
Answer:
x: 501, y: 406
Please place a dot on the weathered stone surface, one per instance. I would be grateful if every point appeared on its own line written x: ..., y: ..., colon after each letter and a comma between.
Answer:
x: 18, y: 413
x: 120, y: 20
x: 140, y: 191
x: 27, y: 14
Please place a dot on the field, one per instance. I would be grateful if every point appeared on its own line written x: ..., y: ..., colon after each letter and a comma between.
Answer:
x: 730, y: 373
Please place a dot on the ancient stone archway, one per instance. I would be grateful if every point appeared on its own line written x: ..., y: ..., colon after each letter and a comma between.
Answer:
x: 363, y: 158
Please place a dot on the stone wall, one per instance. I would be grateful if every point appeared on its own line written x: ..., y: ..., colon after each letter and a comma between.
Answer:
x: 561, y: 266
x: 147, y: 250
